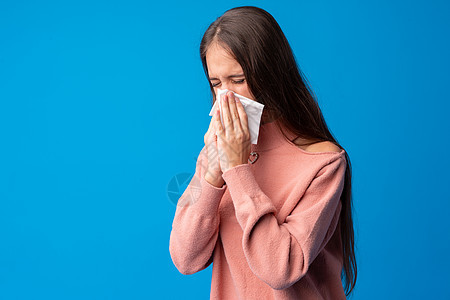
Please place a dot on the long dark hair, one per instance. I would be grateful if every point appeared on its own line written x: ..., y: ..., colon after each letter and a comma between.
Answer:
x: 256, y: 41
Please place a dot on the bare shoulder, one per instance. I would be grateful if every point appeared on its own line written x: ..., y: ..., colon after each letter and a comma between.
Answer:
x: 326, y: 146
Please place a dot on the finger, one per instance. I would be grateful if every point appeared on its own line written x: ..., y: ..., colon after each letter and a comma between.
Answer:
x: 212, y: 137
x: 211, y: 123
x: 234, y: 113
x: 227, y: 122
x: 217, y: 124
x: 242, y: 115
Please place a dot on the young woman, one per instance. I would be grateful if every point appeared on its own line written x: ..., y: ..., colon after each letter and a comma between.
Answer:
x: 274, y: 218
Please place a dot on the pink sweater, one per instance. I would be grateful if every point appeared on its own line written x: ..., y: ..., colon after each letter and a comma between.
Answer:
x: 272, y: 231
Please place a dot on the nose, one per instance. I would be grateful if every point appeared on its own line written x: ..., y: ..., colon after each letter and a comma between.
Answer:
x: 226, y: 86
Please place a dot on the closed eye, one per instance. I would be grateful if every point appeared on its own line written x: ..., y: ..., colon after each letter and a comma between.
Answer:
x: 233, y: 81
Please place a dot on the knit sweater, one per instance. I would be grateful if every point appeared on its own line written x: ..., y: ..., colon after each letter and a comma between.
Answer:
x: 272, y: 231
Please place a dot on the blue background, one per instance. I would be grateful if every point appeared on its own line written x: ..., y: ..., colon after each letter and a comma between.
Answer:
x: 102, y: 103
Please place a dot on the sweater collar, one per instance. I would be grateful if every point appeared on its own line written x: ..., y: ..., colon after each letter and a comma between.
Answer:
x: 270, y: 137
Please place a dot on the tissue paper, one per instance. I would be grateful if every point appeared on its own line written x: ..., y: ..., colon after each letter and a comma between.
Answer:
x: 252, y: 108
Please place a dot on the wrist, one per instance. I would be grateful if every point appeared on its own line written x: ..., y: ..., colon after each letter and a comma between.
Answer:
x: 214, y: 182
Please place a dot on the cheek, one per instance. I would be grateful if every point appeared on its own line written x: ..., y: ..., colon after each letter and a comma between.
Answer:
x: 246, y: 92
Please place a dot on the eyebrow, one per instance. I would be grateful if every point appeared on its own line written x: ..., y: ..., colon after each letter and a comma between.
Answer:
x: 231, y: 76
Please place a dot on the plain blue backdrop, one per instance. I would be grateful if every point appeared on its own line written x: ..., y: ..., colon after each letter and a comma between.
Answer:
x: 103, y: 103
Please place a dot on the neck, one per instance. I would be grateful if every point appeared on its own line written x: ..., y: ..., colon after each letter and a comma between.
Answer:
x: 269, y: 136
x: 265, y: 118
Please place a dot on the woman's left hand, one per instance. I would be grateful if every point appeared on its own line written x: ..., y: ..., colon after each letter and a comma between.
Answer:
x: 233, y: 139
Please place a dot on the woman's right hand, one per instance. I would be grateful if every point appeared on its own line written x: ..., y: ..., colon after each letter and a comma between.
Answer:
x: 213, y: 173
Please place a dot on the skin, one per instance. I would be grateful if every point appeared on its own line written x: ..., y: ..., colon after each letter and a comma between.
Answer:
x: 221, y: 65
x: 229, y: 145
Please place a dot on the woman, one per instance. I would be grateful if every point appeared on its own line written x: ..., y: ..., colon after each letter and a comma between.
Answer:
x: 276, y: 224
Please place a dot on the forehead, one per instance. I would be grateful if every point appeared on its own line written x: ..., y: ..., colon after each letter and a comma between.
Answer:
x: 220, y: 62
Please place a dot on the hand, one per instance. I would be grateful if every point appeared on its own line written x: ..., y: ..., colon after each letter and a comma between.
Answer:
x: 213, y: 173
x: 233, y: 138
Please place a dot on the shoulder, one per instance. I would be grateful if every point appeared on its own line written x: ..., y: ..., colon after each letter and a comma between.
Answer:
x: 325, y: 146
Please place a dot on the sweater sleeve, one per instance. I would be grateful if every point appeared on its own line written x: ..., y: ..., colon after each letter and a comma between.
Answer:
x: 280, y: 254
x: 195, y: 226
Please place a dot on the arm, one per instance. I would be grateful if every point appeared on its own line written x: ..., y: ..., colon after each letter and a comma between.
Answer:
x: 195, y: 225
x: 280, y: 255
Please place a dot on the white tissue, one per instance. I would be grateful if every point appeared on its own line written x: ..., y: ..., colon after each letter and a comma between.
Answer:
x: 252, y: 108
